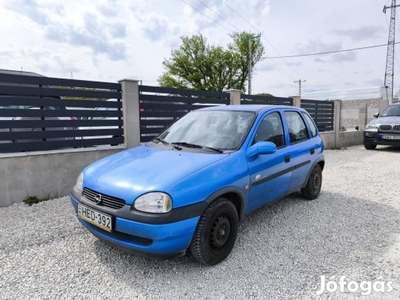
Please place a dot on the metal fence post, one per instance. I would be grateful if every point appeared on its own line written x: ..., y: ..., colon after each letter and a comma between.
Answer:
x: 235, y: 96
x: 336, y: 121
x: 130, y: 112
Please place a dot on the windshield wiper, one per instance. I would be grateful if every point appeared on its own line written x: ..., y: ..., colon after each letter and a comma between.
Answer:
x: 189, y: 145
x: 162, y: 141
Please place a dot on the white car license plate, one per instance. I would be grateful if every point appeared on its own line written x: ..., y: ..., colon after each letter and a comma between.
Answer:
x: 95, y: 217
x: 391, y: 137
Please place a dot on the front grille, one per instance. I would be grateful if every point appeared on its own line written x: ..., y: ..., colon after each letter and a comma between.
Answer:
x: 385, y: 127
x: 396, y: 128
x: 106, y: 201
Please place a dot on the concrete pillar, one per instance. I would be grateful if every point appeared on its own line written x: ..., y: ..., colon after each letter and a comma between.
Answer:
x: 130, y: 110
x: 296, y: 101
x: 336, y: 120
x: 235, y: 96
x: 362, y: 117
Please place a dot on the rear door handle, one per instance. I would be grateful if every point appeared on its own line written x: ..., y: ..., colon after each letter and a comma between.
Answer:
x: 287, y: 158
x: 312, y: 150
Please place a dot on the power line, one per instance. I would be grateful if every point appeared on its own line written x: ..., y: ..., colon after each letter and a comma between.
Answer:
x: 285, y: 73
x: 329, y: 52
x: 205, y: 5
x: 206, y: 15
x: 279, y: 68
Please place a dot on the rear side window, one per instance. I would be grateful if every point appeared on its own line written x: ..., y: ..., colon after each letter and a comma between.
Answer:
x: 297, y: 128
x: 311, y: 125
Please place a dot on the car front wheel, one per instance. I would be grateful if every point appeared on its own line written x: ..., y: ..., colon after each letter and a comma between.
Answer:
x: 216, y: 232
x: 314, y: 184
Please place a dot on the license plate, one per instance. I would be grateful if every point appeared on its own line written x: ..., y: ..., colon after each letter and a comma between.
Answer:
x: 95, y: 217
x: 391, y: 137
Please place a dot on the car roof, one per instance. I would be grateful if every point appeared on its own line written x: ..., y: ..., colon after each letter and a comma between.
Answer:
x: 250, y: 107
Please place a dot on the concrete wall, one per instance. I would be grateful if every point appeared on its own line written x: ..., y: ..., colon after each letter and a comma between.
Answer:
x: 360, y: 112
x: 46, y: 173
x: 53, y: 173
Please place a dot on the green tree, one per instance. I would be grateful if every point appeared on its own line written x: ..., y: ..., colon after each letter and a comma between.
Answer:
x: 197, y: 65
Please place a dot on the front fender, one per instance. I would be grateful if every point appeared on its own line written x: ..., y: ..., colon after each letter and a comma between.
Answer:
x: 234, y: 194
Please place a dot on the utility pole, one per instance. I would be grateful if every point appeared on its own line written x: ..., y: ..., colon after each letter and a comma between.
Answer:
x: 389, y: 71
x: 299, y: 82
x: 250, y: 66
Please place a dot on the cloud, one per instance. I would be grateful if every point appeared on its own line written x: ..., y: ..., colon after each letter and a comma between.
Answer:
x: 155, y: 27
x: 315, y: 46
x: 375, y: 82
x: 344, y: 56
x: 362, y: 33
x: 89, y: 29
x: 30, y: 9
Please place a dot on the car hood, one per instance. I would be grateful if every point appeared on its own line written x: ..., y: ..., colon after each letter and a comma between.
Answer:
x: 387, y: 120
x: 133, y: 172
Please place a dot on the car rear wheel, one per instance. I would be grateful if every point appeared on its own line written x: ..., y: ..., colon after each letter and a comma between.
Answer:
x: 370, y: 146
x: 314, y: 184
x: 216, y: 232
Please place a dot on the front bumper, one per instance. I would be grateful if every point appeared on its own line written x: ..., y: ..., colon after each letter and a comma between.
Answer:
x: 154, y: 239
x: 381, y: 138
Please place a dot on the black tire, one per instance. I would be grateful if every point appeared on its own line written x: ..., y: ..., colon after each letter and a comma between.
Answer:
x: 216, y: 232
x: 314, y: 184
x: 370, y: 146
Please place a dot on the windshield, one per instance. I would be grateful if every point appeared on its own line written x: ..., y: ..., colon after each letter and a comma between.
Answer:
x: 224, y: 130
x: 390, y: 111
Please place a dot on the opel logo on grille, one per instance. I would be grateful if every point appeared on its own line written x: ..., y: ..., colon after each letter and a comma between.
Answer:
x: 97, y: 199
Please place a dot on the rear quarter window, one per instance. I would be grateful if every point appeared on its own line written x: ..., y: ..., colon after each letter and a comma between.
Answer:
x: 311, y: 125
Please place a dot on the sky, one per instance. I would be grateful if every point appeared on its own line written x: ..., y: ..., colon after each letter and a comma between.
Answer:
x: 115, y: 39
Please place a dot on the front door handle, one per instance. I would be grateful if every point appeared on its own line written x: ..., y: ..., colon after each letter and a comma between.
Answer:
x: 287, y: 158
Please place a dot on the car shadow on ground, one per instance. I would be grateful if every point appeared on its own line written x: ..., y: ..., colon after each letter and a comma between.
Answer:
x: 290, y: 244
x: 387, y: 148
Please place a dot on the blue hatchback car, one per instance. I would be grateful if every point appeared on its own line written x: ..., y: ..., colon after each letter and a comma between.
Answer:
x: 189, y: 187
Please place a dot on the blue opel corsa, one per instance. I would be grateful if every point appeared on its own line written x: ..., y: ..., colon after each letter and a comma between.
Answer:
x: 190, y: 186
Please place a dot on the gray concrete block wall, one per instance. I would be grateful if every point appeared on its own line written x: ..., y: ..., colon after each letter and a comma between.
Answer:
x: 352, y: 111
x: 45, y: 174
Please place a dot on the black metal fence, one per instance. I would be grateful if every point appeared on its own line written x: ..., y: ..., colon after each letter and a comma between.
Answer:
x: 43, y: 113
x: 265, y: 100
x: 159, y: 107
x: 321, y: 111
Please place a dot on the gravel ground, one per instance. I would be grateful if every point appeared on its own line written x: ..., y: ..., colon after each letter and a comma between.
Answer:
x: 351, y: 230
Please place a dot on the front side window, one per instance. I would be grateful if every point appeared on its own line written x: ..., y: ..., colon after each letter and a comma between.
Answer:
x: 271, y: 130
x: 297, y: 128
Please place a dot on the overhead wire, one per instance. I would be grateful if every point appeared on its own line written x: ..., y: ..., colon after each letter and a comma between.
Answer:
x: 205, y: 5
x: 331, y: 52
x: 206, y: 15
x: 263, y: 36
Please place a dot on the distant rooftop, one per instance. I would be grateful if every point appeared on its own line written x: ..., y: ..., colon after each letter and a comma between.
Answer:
x: 15, y: 72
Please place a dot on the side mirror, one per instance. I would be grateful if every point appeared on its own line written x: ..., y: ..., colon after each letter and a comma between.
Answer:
x: 261, y: 148
x: 376, y: 115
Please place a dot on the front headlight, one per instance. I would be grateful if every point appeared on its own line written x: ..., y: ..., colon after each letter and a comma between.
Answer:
x: 79, y: 183
x: 371, y: 127
x: 154, y: 203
